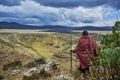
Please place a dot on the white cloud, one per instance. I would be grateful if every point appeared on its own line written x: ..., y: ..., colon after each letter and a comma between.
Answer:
x: 44, y: 15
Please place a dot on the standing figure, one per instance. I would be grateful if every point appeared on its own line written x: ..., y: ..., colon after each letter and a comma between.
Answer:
x: 85, y: 46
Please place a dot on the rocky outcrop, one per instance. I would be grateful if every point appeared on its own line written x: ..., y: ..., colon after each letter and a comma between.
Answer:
x: 32, y: 71
x: 43, y: 72
x: 50, y: 66
x: 13, y: 72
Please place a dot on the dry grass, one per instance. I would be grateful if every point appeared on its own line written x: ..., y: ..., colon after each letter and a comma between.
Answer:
x: 42, y: 50
x: 43, y: 32
x: 24, y: 31
x: 45, y: 51
x: 98, y: 32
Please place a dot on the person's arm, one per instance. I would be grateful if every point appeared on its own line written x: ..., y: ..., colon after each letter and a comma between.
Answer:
x: 93, y: 46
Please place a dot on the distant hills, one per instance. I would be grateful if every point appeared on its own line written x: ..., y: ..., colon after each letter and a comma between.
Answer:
x: 14, y: 25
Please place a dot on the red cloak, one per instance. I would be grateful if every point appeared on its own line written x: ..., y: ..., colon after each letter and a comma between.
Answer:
x: 85, y: 43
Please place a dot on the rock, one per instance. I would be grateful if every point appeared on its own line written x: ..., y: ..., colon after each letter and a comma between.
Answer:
x: 13, y: 72
x: 50, y: 66
x: 63, y: 77
x: 32, y: 71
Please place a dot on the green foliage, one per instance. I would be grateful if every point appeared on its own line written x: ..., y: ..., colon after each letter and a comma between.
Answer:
x: 40, y: 60
x: 30, y: 64
x: 36, y: 62
x: 111, y: 40
x: 109, y: 58
x: 1, y: 77
x: 116, y: 26
x: 12, y: 65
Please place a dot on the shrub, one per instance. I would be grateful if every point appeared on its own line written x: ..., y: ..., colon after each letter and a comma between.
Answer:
x: 36, y: 62
x: 31, y: 64
x: 109, y: 58
x: 12, y: 65
x: 57, y: 46
x: 40, y: 60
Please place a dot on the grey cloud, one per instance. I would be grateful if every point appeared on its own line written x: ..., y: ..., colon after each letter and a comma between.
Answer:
x: 83, y: 3
x: 47, y: 15
x: 67, y: 3
x: 10, y: 2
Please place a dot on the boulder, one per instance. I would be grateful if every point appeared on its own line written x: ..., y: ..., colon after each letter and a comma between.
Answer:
x: 13, y: 72
x: 50, y: 66
x: 32, y: 71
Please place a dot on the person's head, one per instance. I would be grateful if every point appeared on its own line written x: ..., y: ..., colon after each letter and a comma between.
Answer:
x: 85, y: 33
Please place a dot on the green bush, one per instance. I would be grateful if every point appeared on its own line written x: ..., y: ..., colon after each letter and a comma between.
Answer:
x: 31, y: 64
x: 36, y: 62
x: 57, y: 46
x: 40, y: 60
x: 12, y: 65
x: 109, y: 57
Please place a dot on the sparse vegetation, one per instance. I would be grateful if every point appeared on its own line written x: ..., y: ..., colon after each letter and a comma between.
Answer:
x: 36, y: 62
x: 12, y: 65
x: 40, y: 60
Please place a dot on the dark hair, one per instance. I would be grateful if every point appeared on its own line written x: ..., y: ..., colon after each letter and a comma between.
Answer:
x: 85, y: 33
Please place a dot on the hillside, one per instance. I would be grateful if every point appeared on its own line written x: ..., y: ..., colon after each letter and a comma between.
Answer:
x: 26, y: 47
x: 13, y: 25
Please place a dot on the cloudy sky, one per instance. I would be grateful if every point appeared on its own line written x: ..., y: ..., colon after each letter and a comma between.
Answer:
x: 61, y: 12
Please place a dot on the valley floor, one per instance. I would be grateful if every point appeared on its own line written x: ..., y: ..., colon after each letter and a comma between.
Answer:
x: 28, y: 45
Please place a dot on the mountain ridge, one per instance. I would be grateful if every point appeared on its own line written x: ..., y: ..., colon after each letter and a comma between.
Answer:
x: 14, y: 25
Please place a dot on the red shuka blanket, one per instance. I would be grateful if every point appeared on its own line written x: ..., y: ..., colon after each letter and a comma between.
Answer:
x: 85, y: 43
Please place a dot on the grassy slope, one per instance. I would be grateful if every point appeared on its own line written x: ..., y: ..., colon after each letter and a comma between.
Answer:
x: 42, y: 50
x: 38, y: 44
x: 41, y: 44
x: 8, y: 55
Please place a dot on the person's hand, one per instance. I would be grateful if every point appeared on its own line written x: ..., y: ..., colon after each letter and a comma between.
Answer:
x: 72, y: 51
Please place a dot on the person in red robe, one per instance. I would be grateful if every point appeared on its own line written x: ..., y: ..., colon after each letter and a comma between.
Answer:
x: 85, y: 45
